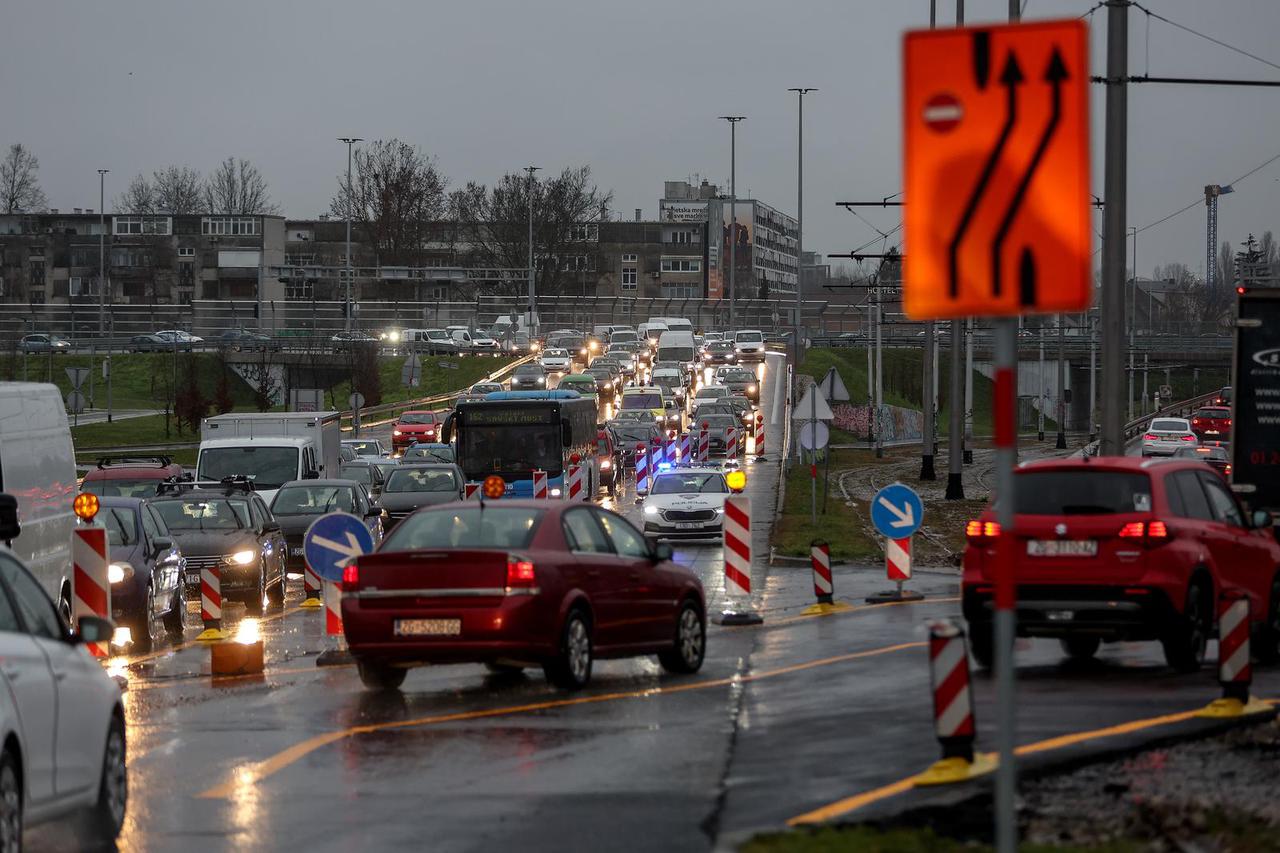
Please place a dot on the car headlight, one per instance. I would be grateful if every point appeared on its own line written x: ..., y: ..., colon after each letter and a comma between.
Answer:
x: 651, y: 510
x: 719, y: 510
x: 751, y: 389
x: 606, y: 465
x: 119, y: 572
x: 396, y: 432
x: 542, y: 381
x: 241, y: 558
x: 582, y: 351
x: 555, y: 493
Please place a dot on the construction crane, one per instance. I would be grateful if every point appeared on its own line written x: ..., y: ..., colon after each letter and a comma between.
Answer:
x: 1211, y: 193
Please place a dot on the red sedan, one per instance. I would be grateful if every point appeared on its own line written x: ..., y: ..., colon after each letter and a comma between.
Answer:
x: 519, y: 583
x: 1212, y: 423
x: 1119, y: 548
x: 416, y: 426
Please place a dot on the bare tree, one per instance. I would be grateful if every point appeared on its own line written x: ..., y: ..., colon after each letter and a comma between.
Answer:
x: 178, y: 190
x: 138, y: 197
x: 237, y: 188
x: 19, y: 185
x: 494, y: 223
x: 396, y: 196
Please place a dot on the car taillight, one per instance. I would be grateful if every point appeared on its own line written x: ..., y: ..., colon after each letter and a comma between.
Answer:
x: 1228, y: 469
x: 1155, y: 532
x: 1195, y: 421
x: 519, y: 571
x: 976, y: 530
x: 1188, y: 438
x: 1150, y: 437
x: 350, y: 577
x: 1133, y: 530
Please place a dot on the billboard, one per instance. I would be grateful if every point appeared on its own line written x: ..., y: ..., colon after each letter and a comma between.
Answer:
x: 737, y: 247
x: 682, y: 211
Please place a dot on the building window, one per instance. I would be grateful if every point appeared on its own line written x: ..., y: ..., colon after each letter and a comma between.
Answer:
x: 186, y: 273
x: 629, y: 276
x: 35, y: 271
x: 683, y: 237
x: 186, y: 252
x: 681, y: 291
x: 584, y: 232
x: 300, y: 289
x: 126, y: 225
x: 184, y: 297
x: 630, y: 259
x: 37, y: 296
x: 299, y: 260
x: 229, y: 226
x: 681, y: 265
x: 577, y: 263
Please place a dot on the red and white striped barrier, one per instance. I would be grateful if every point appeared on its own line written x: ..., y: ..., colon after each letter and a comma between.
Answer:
x: 332, y: 609
x: 1234, y: 670
x: 737, y: 563
x: 90, y: 587
x: 731, y: 443
x: 704, y: 445
x: 952, y: 700
x: 684, y: 449
x: 670, y: 446
x: 820, y: 557
x: 211, y: 601
x: 642, y: 468
x: 312, y: 586
x: 539, y: 484
x: 897, y: 558
x: 471, y: 492
x: 573, y: 486
x: 656, y: 455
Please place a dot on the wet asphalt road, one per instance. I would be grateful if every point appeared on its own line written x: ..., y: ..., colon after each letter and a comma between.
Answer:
x: 783, y: 718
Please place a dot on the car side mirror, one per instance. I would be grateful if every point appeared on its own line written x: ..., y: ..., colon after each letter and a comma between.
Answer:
x: 373, y: 511
x: 662, y: 552
x: 271, y: 527
x: 162, y: 543
x: 93, y: 629
x: 1261, y: 518
x: 10, y: 526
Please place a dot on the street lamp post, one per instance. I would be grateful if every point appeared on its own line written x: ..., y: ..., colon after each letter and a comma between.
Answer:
x: 795, y: 332
x: 350, y: 140
x: 532, y: 294
x: 733, y: 213
x: 102, y: 251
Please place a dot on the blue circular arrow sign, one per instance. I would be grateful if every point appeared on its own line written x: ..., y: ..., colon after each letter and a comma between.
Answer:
x: 897, y: 511
x: 332, y: 540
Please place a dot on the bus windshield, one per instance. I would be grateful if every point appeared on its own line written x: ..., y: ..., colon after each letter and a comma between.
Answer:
x: 509, y: 449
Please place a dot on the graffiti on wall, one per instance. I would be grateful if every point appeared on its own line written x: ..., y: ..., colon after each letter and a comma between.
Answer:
x: 896, y: 423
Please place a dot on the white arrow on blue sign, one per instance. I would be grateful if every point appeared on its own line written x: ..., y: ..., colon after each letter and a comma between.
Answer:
x: 332, y: 540
x: 897, y: 511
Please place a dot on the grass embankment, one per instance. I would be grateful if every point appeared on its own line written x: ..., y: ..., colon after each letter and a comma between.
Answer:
x: 868, y: 840
x: 138, y: 380
x: 841, y: 526
x: 432, y: 380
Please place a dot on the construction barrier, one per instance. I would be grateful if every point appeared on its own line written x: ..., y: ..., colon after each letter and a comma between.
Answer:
x: 684, y: 449
x: 211, y: 603
x: 90, y: 587
x: 737, y: 563
x: 897, y: 558
x: 471, y: 492
x: 539, y: 484
x: 731, y: 444
x: 820, y: 557
x: 704, y: 445
x: 312, y: 589
x: 642, y: 468
x: 573, y: 486
x: 332, y: 609
x: 657, y: 456
x: 670, y: 446
x: 759, y: 441
x: 953, y: 720
x: 1235, y: 672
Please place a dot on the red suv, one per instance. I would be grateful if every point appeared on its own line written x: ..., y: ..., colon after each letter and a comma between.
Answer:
x: 1122, y: 548
x: 413, y: 427
x: 129, y: 476
x: 1212, y: 423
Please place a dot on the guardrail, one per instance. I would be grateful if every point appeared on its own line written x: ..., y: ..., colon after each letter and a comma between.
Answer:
x: 1138, y: 426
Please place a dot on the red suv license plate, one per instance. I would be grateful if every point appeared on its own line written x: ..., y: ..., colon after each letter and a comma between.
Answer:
x: 1062, y: 548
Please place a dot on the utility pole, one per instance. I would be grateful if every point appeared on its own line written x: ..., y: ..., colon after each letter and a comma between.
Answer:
x: 930, y: 354
x: 968, y: 391
x: 349, y: 140
x: 102, y: 252
x: 532, y: 294
x: 1113, y: 226
x: 1040, y: 390
x: 800, y: 93
x: 733, y: 217
x: 1062, y: 386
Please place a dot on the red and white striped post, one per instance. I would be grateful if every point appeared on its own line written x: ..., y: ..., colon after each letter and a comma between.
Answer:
x: 704, y: 445
x: 684, y: 449
x: 897, y: 560
x: 90, y: 587
x: 642, y: 468
x: 1235, y: 672
x: 656, y: 457
x: 820, y: 557
x: 539, y: 484
x: 211, y: 603
x: 952, y: 700
x: 333, y: 609
x: 672, y: 445
x: 731, y: 444
x: 737, y: 563
x: 759, y: 442
x: 312, y: 589
x: 471, y: 492
x: 573, y: 490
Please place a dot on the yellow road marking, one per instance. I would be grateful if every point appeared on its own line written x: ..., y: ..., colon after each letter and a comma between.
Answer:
x: 250, y: 774
x: 857, y: 608
x: 875, y: 795
x: 131, y: 660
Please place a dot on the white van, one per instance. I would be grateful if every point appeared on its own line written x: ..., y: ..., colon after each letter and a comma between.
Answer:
x: 675, y: 324
x: 678, y: 346
x: 38, y: 468
x: 270, y: 448
x: 429, y: 341
x: 651, y: 330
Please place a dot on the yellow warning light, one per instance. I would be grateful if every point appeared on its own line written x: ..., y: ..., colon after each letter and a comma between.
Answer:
x: 85, y: 505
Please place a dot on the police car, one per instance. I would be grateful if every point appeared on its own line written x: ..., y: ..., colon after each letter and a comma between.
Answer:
x: 687, y: 503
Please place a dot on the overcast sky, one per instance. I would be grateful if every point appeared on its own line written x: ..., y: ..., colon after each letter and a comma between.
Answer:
x: 631, y: 88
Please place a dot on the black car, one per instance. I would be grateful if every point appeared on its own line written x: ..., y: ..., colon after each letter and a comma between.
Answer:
x: 720, y: 352
x: 248, y: 339
x: 416, y: 485
x: 367, y: 472
x: 608, y: 379
x: 574, y: 342
x: 529, y: 377
x: 229, y: 528
x: 149, y: 343
x: 629, y: 434
x: 145, y: 573
x: 300, y: 502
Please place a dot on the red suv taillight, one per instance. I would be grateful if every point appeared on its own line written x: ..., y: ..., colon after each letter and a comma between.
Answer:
x: 977, y: 531
x: 520, y: 572
x: 350, y: 577
x: 1154, y: 532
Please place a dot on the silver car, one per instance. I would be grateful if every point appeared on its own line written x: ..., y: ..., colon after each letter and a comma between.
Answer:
x: 1166, y: 436
x: 410, y: 487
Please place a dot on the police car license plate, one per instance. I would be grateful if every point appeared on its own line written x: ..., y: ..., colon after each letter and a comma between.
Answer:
x: 1062, y: 548
x: 428, y: 627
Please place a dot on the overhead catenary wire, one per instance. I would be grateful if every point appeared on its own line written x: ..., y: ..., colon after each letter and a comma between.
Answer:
x: 1197, y: 33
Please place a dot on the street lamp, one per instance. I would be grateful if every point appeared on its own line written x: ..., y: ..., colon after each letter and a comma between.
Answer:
x: 350, y: 141
x: 532, y: 294
x: 800, y: 93
x: 102, y: 251
x: 733, y: 212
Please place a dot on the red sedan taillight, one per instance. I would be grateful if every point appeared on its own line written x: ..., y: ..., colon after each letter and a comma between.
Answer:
x: 350, y: 577
x: 520, y: 572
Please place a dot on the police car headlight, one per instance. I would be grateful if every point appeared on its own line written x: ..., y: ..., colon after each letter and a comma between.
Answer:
x: 651, y: 510
x: 119, y: 572
x: 241, y: 558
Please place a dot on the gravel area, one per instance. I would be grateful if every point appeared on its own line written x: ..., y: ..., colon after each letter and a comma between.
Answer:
x: 1210, y: 795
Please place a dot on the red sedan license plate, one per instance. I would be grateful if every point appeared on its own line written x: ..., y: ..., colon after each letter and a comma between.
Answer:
x: 1062, y: 548
x: 428, y: 627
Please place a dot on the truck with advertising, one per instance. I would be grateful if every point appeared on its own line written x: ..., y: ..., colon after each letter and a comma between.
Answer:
x: 1255, y: 400
x: 270, y: 448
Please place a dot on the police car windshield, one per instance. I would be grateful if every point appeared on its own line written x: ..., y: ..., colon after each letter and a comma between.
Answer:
x: 689, y: 483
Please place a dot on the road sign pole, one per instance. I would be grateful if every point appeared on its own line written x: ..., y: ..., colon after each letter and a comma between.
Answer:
x: 1006, y: 430
x: 968, y: 392
x: 1113, y: 228
x: 955, y: 397
x: 813, y: 459
x: 1062, y: 384
x: 875, y: 414
x: 926, y: 403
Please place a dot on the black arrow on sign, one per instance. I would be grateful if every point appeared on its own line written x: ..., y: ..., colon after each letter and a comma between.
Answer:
x: 1010, y: 78
x: 1054, y: 74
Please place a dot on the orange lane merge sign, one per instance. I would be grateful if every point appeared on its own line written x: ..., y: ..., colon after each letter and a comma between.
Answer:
x: 997, y: 171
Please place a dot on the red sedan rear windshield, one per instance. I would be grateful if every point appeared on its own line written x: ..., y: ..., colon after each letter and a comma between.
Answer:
x: 1082, y: 492
x: 418, y: 418
x: 491, y: 527
x: 1212, y: 413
